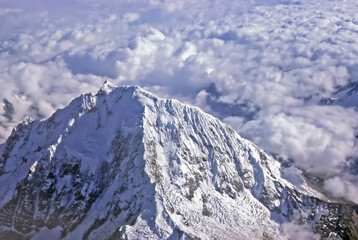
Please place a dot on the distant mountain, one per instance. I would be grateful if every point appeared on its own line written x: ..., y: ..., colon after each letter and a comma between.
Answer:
x: 7, y: 110
x: 125, y: 164
x: 348, y: 95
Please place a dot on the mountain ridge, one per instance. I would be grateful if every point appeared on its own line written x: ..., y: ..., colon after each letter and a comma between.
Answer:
x: 125, y: 163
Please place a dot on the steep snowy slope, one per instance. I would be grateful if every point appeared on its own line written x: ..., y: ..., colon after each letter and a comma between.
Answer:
x: 124, y: 163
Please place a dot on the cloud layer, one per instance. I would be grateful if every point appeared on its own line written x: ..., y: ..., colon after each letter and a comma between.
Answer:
x: 261, y: 66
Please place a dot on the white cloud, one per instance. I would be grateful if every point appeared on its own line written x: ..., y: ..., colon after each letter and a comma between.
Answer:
x: 318, y: 138
x: 340, y: 187
x: 5, y: 11
x: 260, y: 65
x: 297, y: 232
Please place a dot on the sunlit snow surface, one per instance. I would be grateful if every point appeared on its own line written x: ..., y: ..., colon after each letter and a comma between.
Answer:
x: 124, y: 162
x: 262, y: 66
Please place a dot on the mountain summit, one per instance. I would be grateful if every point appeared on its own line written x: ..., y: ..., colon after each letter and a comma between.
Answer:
x: 125, y: 164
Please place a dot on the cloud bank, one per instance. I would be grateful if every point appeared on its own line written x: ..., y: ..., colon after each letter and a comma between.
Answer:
x: 261, y: 66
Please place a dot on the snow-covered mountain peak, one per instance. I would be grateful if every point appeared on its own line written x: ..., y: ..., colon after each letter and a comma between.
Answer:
x: 107, y: 87
x: 124, y: 163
